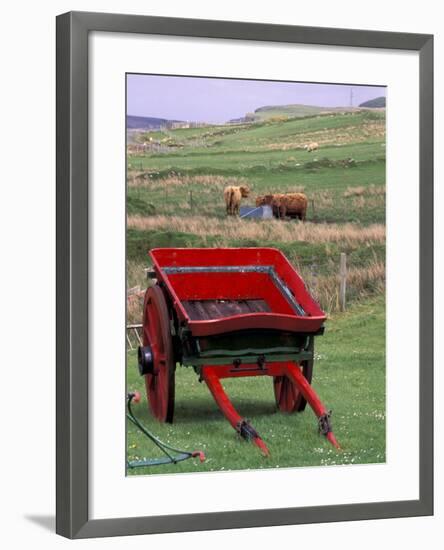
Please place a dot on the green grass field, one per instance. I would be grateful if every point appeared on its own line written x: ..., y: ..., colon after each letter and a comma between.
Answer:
x: 349, y: 374
x: 344, y: 180
x: 175, y: 199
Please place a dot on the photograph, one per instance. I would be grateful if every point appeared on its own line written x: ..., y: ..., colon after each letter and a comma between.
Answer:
x: 255, y: 274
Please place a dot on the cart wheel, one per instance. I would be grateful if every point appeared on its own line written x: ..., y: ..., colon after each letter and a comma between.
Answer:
x: 157, y: 334
x: 288, y: 398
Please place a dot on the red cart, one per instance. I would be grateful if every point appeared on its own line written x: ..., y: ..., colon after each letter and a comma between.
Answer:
x: 230, y: 312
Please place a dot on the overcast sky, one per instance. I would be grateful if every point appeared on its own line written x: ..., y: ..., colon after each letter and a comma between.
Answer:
x: 219, y: 100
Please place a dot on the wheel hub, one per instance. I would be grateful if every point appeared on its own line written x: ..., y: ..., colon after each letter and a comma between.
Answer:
x: 145, y: 360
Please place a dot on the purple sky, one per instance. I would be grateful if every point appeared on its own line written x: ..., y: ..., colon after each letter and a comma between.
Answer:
x: 218, y: 100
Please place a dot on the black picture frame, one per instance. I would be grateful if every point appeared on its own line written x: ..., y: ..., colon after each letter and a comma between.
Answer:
x: 72, y: 518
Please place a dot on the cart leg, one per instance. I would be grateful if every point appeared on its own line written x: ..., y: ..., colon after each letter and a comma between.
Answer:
x: 294, y: 373
x: 241, y: 425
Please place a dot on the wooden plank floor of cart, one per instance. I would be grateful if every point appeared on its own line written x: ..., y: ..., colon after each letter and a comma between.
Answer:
x: 199, y: 310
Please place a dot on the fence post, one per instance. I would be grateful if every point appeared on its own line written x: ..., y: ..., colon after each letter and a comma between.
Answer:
x: 342, y: 280
x: 314, y: 278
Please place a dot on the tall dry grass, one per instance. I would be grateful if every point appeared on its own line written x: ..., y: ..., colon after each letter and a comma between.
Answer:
x: 136, y: 274
x: 140, y: 179
x: 134, y: 309
x: 361, y: 283
x: 274, y: 230
x: 360, y: 190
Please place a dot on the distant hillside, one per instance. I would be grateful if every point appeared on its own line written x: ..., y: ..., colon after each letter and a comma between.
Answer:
x: 288, y: 111
x: 146, y: 123
x: 293, y: 111
x: 376, y: 103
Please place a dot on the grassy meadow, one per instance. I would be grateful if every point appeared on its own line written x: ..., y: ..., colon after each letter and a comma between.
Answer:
x: 349, y: 375
x: 175, y: 198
